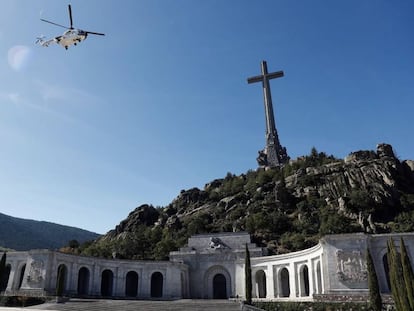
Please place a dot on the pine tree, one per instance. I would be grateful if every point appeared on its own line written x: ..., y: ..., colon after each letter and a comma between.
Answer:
x: 398, y: 288
x: 3, y: 271
x: 248, y: 277
x: 375, y: 301
x: 408, y: 274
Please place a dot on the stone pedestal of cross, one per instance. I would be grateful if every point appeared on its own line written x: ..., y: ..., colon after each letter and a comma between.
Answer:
x: 273, y: 155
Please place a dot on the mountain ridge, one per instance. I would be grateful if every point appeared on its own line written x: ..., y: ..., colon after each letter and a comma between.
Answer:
x: 26, y: 234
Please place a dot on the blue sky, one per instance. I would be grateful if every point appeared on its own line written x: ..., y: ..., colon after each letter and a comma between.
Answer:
x: 161, y: 103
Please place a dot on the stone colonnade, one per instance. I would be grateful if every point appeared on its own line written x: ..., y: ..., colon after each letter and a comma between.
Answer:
x: 37, y: 272
x: 335, y: 267
x: 293, y: 276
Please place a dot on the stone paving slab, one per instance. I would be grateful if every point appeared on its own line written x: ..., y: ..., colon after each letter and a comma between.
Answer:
x: 134, y: 305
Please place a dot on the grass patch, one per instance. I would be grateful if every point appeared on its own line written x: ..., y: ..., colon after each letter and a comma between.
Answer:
x: 21, y: 301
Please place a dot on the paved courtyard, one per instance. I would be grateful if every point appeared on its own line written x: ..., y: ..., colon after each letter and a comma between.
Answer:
x: 135, y: 305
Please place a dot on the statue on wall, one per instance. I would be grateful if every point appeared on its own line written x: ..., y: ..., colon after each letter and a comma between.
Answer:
x: 217, y: 243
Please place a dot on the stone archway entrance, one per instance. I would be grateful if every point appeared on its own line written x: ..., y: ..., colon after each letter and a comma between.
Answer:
x: 304, y: 281
x: 83, y: 281
x: 217, y: 283
x: 5, y: 278
x: 131, y: 284
x: 157, y: 281
x: 261, y: 291
x: 107, y: 283
x: 62, y: 272
x: 219, y: 287
x: 284, y: 285
x: 21, y: 276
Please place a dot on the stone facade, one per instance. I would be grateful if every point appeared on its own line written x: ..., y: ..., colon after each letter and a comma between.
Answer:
x: 35, y: 273
x: 212, y: 266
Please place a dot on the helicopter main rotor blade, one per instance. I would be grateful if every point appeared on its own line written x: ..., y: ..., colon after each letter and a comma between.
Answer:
x: 44, y: 20
x: 95, y: 33
x: 70, y: 16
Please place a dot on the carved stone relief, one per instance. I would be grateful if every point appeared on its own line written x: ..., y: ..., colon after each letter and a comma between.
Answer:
x: 351, y: 267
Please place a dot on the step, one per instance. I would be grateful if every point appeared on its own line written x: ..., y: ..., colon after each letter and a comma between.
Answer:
x: 139, y: 305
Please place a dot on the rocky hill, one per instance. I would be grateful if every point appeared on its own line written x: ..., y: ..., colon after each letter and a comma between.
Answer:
x: 25, y: 234
x: 284, y: 209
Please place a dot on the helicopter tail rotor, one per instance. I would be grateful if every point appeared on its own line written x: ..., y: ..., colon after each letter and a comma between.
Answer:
x: 40, y: 40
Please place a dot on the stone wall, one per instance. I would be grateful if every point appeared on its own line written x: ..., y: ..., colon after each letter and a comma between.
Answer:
x: 212, y: 266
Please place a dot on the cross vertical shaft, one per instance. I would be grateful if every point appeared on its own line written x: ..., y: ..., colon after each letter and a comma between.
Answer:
x: 274, y: 155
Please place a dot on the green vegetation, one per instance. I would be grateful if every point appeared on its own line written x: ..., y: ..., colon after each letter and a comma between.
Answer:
x: 374, y: 300
x: 284, y: 209
x: 311, y: 306
x: 24, y: 234
x: 248, y: 277
x: 21, y: 301
x: 314, y: 159
x: 401, y: 277
x: 407, y: 274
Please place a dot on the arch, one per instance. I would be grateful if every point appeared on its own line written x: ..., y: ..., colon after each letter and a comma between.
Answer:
x: 131, y: 284
x: 157, y: 282
x: 63, y: 271
x: 213, y: 285
x: 261, y: 284
x: 107, y: 281
x: 304, y: 281
x: 22, y: 271
x: 219, y: 286
x: 83, y: 281
x: 5, y: 278
x: 284, y: 283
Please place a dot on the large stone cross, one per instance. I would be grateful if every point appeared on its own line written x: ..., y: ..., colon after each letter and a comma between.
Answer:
x: 274, y: 154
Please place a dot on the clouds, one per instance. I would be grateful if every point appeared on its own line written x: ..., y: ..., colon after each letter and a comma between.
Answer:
x: 12, y: 97
x: 18, y: 57
x: 46, y: 93
x: 50, y: 92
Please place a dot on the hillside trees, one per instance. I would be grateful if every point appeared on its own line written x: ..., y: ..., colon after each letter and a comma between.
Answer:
x: 401, y: 277
x: 284, y: 209
x: 375, y: 301
x: 407, y: 274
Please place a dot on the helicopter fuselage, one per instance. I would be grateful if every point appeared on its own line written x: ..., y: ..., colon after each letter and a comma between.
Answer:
x: 71, y: 36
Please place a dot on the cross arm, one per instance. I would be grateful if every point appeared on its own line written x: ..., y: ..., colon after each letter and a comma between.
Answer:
x: 273, y: 75
x: 255, y: 79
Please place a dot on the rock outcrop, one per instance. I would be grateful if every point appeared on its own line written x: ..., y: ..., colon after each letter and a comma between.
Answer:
x: 289, y: 209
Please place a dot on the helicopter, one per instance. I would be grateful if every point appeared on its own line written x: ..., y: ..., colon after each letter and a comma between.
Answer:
x: 69, y: 37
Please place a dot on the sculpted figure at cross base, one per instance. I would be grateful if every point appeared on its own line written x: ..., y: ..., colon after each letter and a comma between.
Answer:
x: 262, y: 158
x: 216, y: 243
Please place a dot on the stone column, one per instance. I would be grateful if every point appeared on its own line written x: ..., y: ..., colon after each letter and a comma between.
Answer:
x: 270, y: 287
x: 311, y: 273
x: 95, y: 284
x: 146, y: 283
x: 292, y: 280
x: 118, y: 283
x: 71, y: 278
